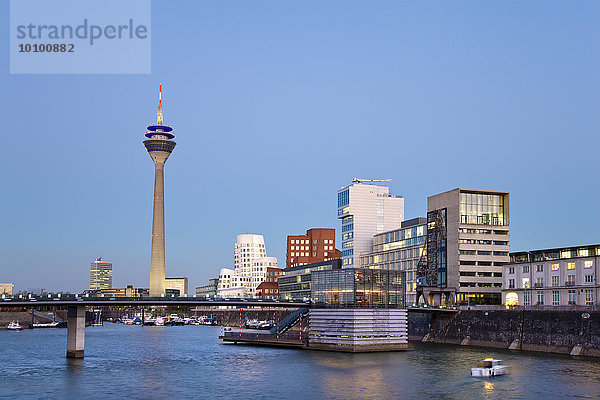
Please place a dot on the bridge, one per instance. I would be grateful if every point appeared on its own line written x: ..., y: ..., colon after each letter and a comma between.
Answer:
x: 76, y: 305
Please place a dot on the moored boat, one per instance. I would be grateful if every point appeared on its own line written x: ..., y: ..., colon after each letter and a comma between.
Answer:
x: 44, y: 325
x: 14, y: 326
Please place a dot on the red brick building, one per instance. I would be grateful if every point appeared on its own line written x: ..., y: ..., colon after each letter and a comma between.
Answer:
x: 269, y: 287
x: 317, y: 245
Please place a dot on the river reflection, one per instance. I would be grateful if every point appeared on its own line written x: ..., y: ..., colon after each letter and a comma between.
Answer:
x: 190, y: 362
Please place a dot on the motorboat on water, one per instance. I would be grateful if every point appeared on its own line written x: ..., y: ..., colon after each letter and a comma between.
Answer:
x: 489, y: 367
x: 14, y: 326
x: 160, y: 321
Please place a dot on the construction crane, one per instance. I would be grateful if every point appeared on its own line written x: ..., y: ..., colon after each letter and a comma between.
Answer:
x: 360, y: 180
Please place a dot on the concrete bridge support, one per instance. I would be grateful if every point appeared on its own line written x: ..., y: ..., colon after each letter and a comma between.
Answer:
x: 75, y: 331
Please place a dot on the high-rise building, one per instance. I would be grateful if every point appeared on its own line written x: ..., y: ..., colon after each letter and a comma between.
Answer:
x: 366, y: 210
x: 467, y: 245
x: 250, y: 267
x: 159, y: 146
x: 180, y: 284
x: 7, y: 288
x: 399, y: 250
x: 317, y: 245
x: 100, y: 274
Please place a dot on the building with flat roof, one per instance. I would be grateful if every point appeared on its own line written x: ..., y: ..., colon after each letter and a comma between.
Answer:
x: 295, y: 282
x: 565, y: 276
x: 128, y: 291
x: 399, y: 250
x: 317, y: 245
x: 468, y: 235
x: 178, y: 284
x: 100, y: 274
x: 358, y: 288
x: 209, y: 290
x: 366, y: 210
x: 7, y: 288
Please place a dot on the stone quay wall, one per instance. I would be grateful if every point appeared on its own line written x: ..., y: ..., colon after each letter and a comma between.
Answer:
x: 565, y: 332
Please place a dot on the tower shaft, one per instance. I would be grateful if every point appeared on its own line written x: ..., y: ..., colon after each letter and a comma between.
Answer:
x: 159, y: 146
x: 157, y: 259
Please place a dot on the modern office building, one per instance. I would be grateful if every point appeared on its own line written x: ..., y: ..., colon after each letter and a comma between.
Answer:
x: 317, y: 245
x: 159, y: 145
x: 209, y: 290
x: 7, y: 288
x: 128, y: 291
x: 399, y: 250
x: 467, y: 245
x: 251, y: 268
x: 564, y: 276
x: 178, y: 284
x: 295, y: 282
x: 100, y: 274
x: 358, y: 288
x: 366, y: 210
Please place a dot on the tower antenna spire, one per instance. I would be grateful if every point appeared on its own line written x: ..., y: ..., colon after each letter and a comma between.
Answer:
x: 159, y: 120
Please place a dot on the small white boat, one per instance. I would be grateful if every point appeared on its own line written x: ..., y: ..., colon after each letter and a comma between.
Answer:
x: 160, y: 321
x: 489, y: 367
x: 14, y: 326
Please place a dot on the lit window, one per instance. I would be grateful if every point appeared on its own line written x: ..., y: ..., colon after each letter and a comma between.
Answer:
x: 588, y: 264
x: 554, y: 267
x: 571, y: 265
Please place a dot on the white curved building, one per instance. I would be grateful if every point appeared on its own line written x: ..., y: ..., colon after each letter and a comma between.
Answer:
x: 250, y: 267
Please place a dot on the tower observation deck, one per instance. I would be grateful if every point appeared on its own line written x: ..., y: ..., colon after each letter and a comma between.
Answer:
x: 159, y: 145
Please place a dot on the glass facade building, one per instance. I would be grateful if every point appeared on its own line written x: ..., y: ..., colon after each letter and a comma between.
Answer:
x: 482, y: 208
x: 358, y: 288
x: 399, y: 250
x: 295, y: 283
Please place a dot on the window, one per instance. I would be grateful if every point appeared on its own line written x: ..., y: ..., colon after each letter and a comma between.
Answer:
x: 589, y: 279
x: 555, y: 297
x: 525, y: 283
x: 525, y: 269
x: 588, y: 264
x: 571, y: 265
x: 539, y: 282
x: 540, y: 268
x: 572, y: 297
x: 511, y: 283
x: 526, y: 298
x: 589, y: 297
x: 556, y: 280
x: 570, y: 280
x: 540, y: 297
x: 583, y: 252
x: 555, y: 267
x: 511, y: 270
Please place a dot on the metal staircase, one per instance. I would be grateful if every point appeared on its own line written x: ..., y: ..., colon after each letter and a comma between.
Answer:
x: 289, y: 321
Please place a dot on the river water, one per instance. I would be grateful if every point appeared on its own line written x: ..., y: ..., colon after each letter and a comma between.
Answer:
x: 190, y: 362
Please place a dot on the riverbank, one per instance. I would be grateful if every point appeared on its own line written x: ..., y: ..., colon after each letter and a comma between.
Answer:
x: 563, y: 332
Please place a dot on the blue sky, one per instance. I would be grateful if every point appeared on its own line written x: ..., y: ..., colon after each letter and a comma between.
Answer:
x: 276, y: 105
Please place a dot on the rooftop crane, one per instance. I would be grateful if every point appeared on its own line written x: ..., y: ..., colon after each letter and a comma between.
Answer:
x: 360, y: 180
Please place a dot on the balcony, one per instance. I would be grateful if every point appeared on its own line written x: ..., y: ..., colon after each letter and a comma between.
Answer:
x: 538, y: 285
x: 570, y: 283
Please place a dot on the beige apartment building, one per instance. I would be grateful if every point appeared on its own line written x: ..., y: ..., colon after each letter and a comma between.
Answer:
x: 553, y: 277
x: 468, y: 237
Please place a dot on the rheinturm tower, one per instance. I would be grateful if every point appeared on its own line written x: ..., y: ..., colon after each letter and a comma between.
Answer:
x: 159, y: 145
